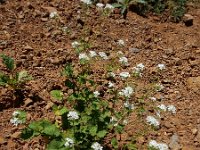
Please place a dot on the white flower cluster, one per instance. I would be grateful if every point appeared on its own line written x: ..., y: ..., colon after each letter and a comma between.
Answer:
x: 138, y: 69
x: 96, y: 146
x: 161, y: 66
x: 72, y: 115
x: 100, y: 5
x: 88, y: 2
x: 170, y: 108
x: 92, y: 54
x: 114, y: 121
x: 127, y: 92
x: 96, y: 93
x: 83, y: 56
x: 15, y: 120
x: 128, y: 105
x: 110, y: 84
x: 159, y: 87
x: 121, y: 42
x: 69, y: 142
x: 109, y: 6
x: 123, y: 60
x: 75, y: 44
x: 103, y: 55
x: 159, y: 146
x: 152, y: 121
x: 53, y: 14
x: 124, y: 75
x: 111, y: 74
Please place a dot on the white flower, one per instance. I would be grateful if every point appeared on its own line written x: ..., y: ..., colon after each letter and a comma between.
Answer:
x: 159, y: 146
x: 53, y: 14
x: 103, y: 55
x: 72, y: 115
x: 15, y: 121
x: 113, y: 119
x: 96, y: 146
x: 111, y: 74
x: 162, y: 107
x: 125, y: 122
x: 124, y: 74
x: 123, y: 60
x: 75, y: 44
x: 127, y: 91
x: 92, y: 53
x: 128, y: 105
x: 121, y: 42
x: 100, y: 5
x: 158, y: 114
x: 109, y: 6
x: 152, y: 98
x: 161, y: 66
x: 88, y: 2
x: 83, y: 56
x: 110, y: 84
x: 96, y: 93
x: 140, y: 66
x: 159, y: 87
x: 152, y: 121
x: 15, y: 113
x: 69, y: 142
x: 138, y: 69
x: 120, y: 53
x: 171, y: 108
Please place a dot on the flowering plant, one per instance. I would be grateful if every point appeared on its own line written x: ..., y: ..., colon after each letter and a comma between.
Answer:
x: 88, y: 118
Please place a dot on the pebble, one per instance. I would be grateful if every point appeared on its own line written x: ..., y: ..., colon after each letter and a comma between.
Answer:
x: 188, y: 20
x: 174, y: 142
x: 134, y: 50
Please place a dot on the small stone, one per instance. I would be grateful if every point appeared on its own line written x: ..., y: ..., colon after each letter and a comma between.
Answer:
x: 193, y: 83
x: 27, y: 47
x: 141, y: 140
x: 134, y: 50
x: 16, y: 135
x: 188, y: 20
x: 44, y: 19
x: 2, y: 140
x: 27, y: 101
x: 174, y: 142
x: 194, y: 131
x: 49, y: 105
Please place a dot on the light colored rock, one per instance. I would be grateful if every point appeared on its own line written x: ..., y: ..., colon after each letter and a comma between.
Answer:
x: 174, y: 142
x: 193, y: 83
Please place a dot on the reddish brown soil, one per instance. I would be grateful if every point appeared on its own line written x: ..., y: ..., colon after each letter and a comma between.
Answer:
x: 39, y: 46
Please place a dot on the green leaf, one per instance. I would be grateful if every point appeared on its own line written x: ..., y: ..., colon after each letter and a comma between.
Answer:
x: 4, y: 79
x: 117, y: 5
x: 51, y: 130
x: 22, y: 116
x: 131, y: 146
x: 60, y: 112
x: 70, y: 84
x: 23, y: 76
x: 93, y: 130
x: 27, y: 133
x: 8, y: 62
x: 57, y: 94
x: 56, y: 144
x: 114, y: 143
x: 68, y: 70
x: 101, y: 134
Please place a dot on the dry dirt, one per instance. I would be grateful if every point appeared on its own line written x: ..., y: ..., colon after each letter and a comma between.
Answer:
x: 39, y: 46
